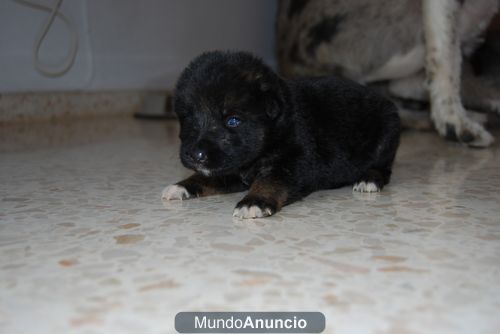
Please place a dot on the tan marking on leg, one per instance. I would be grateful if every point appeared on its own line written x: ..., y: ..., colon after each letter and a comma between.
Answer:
x: 207, y: 186
x: 270, y: 189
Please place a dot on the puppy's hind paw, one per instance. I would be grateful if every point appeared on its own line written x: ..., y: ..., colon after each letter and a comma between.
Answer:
x: 253, y: 208
x: 366, y: 187
x: 173, y: 192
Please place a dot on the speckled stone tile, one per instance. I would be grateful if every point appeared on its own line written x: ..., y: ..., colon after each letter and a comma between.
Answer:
x: 86, y: 245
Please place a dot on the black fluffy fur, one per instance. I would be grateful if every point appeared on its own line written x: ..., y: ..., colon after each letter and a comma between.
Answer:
x: 295, y: 137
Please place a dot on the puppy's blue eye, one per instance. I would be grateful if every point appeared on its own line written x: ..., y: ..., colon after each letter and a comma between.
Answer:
x: 233, y: 121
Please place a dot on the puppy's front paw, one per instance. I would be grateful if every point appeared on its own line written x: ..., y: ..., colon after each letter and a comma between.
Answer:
x: 254, y: 208
x: 175, y: 191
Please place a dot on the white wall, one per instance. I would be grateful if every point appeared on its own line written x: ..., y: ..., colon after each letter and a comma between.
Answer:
x: 129, y: 44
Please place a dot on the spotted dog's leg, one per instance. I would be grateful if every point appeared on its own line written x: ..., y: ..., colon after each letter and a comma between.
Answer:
x: 443, y: 62
x: 265, y: 198
x: 198, y: 185
x: 413, y: 88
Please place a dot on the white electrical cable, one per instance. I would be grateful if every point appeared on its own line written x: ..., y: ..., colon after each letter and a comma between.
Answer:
x: 54, y: 11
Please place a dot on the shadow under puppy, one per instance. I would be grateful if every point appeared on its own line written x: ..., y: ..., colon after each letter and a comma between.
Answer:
x: 244, y: 127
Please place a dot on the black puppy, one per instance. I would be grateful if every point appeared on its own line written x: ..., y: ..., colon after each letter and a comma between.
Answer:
x: 244, y: 127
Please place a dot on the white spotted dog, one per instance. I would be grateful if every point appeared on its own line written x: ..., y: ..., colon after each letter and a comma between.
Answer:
x: 414, y: 47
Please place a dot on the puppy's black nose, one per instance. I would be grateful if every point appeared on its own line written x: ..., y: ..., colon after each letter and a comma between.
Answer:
x: 200, y: 156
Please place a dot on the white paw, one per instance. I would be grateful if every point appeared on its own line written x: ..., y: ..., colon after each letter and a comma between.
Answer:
x: 459, y: 127
x: 251, y: 212
x: 365, y: 187
x: 473, y: 134
x: 174, y: 191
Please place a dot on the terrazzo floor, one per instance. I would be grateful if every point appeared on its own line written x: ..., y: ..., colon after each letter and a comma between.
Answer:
x: 87, y: 246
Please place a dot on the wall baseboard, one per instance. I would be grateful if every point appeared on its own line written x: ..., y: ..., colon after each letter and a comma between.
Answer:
x: 22, y: 107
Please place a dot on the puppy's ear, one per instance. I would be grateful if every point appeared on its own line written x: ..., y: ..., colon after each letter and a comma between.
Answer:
x: 273, y: 93
x: 273, y: 105
x: 269, y: 86
x: 264, y: 85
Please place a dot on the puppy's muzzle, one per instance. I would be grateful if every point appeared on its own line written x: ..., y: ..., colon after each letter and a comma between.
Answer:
x: 199, y: 156
x: 195, y: 158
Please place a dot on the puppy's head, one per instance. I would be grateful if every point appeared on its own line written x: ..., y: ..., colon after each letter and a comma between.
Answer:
x: 227, y: 104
